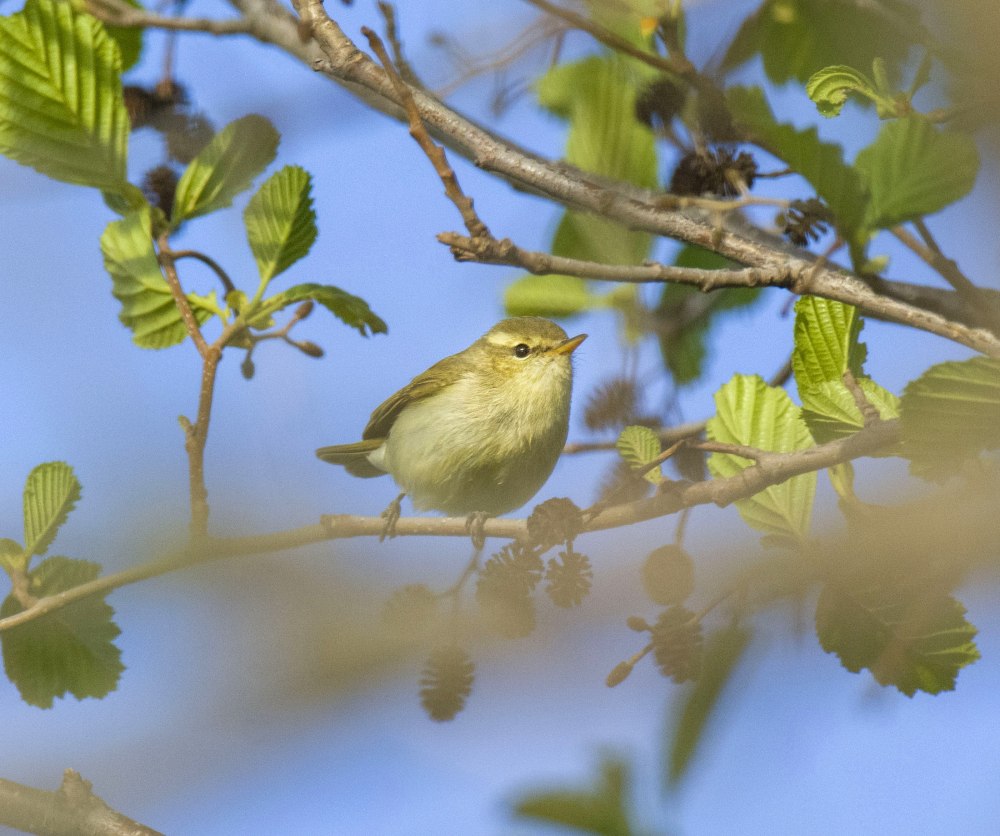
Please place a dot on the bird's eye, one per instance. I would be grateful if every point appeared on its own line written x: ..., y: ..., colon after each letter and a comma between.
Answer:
x: 521, y: 350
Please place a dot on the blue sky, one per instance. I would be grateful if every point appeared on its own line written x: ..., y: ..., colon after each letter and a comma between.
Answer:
x: 255, y: 698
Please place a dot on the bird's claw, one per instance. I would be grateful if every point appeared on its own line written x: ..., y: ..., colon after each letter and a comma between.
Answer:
x: 475, y: 524
x: 391, y: 516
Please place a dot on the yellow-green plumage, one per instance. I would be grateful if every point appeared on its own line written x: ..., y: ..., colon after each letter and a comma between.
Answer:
x: 478, y: 432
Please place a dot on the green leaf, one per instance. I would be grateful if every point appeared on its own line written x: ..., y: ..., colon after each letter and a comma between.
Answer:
x: 349, y: 309
x: 553, y: 296
x: 591, y: 238
x: 829, y: 88
x: 723, y: 651
x: 826, y: 342
x: 913, y: 637
x: 914, y: 169
x: 597, y: 96
x: 50, y: 493
x: 601, y: 810
x: 61, y: 108
x: 821, y: 163
x: 70, y: 649
x: 796, y: 38
x: 225, y: 167
x: 750, y: 412
x: 128, y: 39
x: 638, y: 446
x: 12, y: 556
x: 148, y: 306
x: 280, y: 221
x: 686, y: 316
x: 827, y: 346
x: 842, y: 479
x: 830, y: 411
x: 951, y: 413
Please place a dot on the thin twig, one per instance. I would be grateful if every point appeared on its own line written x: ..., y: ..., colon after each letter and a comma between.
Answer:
x: 166, y: 260
x: 869, y: 412
x: 931, y: 254
x: 435, y: 153
x: 742, y: 450
x: 489, y: 250
x: 678, y: 65
x: 227, y: 283
x: 117, y: 13
x: 396, y: 45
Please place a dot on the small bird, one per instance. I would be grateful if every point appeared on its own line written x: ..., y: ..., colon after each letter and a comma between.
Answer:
x: 479, y: 432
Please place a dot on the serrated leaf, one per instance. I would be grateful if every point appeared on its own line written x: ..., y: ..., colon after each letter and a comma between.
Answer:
x: 796, y: 38
x: 821, y: 163
x: 349, y: 309
x: 830, y: 411
x: 553, y: 296
x: 601, y: 810
x: 61, y: 107
x: 723, y: 651
x: 225, y: 167
x: 915, y: 169
x: 951, y: 413
x: 128, y: 39
x: 750, y: 412
x: 69, y: 650
x: 638, y: 446
x: 280, y: 221
x: 826, y: 342
x: 916, y: 639
x: 830, y: 86
x: 148, y: 306
x: 50, y: 493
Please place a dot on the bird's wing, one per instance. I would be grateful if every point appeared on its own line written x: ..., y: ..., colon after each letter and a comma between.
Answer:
x: 438, y: 376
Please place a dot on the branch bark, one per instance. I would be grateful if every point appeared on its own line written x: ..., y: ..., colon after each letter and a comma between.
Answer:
x: 72, y: 810
x: 340, y: 59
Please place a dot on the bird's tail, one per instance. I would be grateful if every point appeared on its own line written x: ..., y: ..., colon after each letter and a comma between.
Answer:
x: 353, y: 457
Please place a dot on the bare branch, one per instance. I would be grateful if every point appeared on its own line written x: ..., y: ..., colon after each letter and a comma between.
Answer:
x: 869, y: 412
x: 435, y: 153
x: 116, y: 13
x: 227, y: 283
x: 678, y: 65
x: 632, y: 207
x: 72, y: 810
x: 491, y: 251
x: 771, y: 470
x: 931, y: 254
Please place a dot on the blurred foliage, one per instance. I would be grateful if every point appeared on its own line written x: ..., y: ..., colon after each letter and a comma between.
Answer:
x: 884, y: 588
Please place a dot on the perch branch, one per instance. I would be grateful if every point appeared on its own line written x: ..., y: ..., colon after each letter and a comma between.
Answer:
x: 772, y: 469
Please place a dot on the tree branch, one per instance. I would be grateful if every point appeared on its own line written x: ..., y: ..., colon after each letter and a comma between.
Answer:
x: 72, y: 810
x: 492, y: 251
x: 975, y: 297
x: 771, y: 470
x: 116, y: 13
x: 633, y: 208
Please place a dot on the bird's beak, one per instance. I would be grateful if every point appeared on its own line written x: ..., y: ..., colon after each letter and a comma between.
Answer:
x: 570, y: 345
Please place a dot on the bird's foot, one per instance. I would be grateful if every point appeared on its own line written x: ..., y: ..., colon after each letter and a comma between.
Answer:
x: 474, y: 524
x: 391, y: 516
